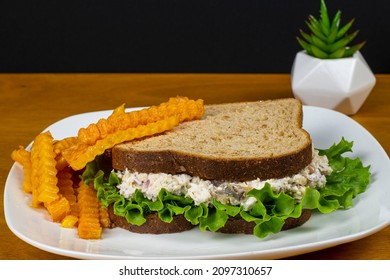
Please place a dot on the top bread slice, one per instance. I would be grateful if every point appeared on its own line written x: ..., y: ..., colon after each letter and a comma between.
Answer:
x: 232, y: 142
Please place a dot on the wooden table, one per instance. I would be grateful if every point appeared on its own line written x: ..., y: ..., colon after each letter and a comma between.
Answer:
x: 31, y: 102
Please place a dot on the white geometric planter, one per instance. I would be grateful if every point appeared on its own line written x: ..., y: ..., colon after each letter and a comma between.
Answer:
x: 339, y: 84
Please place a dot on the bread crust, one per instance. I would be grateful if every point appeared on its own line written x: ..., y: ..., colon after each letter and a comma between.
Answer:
x: 153, y: 224
x: 238, y: 225
x: 211, y: 168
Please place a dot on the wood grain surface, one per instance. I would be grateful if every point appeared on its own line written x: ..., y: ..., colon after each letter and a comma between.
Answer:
x: 31, y: 102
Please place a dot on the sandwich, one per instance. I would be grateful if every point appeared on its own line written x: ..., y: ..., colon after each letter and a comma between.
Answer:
x: 246, y: 167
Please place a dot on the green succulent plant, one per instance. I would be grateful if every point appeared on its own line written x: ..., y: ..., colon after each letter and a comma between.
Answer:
x: 327, y: 39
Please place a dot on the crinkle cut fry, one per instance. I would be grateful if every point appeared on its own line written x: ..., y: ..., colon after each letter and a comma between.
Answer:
x: 58, y: 209
x: 79, y: 155
x: 65, y: 185
x: 45, y: 167
x: 63, y: 144
x: 44, y: 172
x: 186, y: 109
x: 70, y: 221
x: 89, y: 220
x: 60, y: 146
x: 105, y: 220
x: 23, y: 157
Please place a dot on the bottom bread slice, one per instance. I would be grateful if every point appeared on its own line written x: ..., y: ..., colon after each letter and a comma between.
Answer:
x: 238, y: 225
x: 154, y: 225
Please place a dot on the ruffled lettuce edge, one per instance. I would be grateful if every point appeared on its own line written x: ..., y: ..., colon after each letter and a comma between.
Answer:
x: 348, y: 179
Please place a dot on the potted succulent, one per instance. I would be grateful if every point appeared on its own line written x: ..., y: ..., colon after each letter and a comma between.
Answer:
x: 328, y: 72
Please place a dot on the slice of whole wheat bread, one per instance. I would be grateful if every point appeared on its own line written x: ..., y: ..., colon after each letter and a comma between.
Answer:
x: 233, y: 142
x: 153, y: 224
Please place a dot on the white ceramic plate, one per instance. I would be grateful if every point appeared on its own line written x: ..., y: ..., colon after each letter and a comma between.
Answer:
x: 370, y: 213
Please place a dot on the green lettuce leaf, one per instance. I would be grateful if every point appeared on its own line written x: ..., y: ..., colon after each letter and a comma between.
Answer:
x: 214, y: 220
x: 348, y: 179
x: 167, y: 204
x: 194, y: 213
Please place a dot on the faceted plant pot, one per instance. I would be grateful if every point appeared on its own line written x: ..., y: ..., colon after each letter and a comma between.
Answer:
x: 340, y: 84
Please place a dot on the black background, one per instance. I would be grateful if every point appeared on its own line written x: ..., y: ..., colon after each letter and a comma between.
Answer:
x: 170, y: 36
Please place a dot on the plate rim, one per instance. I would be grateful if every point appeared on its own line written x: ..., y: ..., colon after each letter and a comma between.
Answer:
x: 269, y: 253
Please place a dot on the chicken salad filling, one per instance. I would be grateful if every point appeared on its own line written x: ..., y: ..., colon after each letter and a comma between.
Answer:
x: 232, y: 193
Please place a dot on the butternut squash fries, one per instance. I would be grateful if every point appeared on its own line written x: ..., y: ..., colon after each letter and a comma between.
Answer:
x: 49, y: 168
